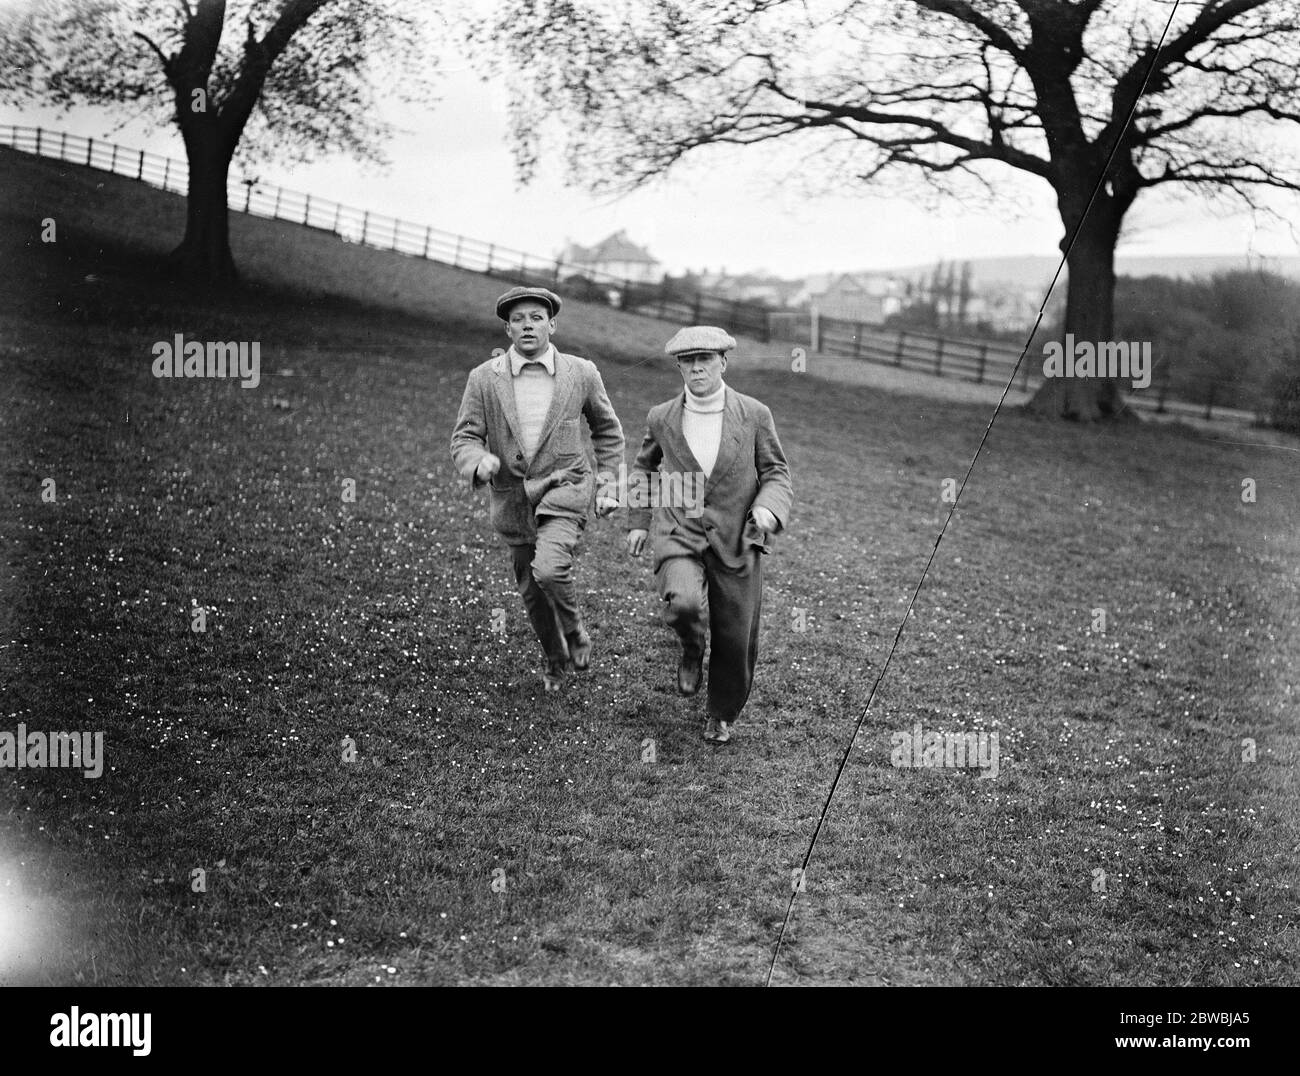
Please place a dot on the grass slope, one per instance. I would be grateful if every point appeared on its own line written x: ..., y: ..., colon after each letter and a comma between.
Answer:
x: 1121, y: 752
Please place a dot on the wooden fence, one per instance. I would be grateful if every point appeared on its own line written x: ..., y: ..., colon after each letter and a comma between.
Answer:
x: 983, y: 362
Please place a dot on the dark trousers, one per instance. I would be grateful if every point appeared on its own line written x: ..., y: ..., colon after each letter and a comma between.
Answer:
x: 544, y: 576
x: 695, y: 587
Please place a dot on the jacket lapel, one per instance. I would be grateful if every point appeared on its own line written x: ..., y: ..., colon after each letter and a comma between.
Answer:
x: 506, y: 394
x: 565, y: 382
x: 673, y: 424
x: 729, y: 445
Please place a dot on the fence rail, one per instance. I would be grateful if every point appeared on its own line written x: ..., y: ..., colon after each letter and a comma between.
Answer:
x: 942, y: 356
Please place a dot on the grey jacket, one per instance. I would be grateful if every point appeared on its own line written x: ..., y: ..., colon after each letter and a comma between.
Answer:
x: 750, y: 471
x: 488, y: 422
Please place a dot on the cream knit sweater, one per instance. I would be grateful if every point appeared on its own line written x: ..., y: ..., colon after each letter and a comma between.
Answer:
x: 702, y: 426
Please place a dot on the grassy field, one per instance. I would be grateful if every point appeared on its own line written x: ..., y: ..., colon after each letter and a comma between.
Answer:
x: 1125, y: 839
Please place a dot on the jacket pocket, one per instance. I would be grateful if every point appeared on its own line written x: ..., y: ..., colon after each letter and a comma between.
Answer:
x: 565, y: 442
x: 568, y: 498
x: 509, y: 511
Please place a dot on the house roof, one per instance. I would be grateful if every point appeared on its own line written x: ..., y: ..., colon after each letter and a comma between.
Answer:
x: 873, y: 284
x: 615, y: 248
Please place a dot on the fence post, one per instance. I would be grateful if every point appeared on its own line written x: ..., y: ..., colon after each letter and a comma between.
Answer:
x: 455, y: 258
x: 90, y: 148
x: 983, y: 357
x: 491, y: 247
x: 139, y: 171
x: 397, y: 224
x: 112, y: 162
x: 275, y: 211
x: 559, y: 265
x: 898, y: 350
x: 167, y: 171
x: 338, y: 210
x: 1209, y: 404
x: 938, y: 359
x: 63, y: 145
x: 248, y: 194
x: 857, y: 342
x: 38, y: 141
x: 306, y: 209
x: 428, y: 238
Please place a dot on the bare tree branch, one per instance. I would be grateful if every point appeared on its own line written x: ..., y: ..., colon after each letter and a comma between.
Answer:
x: 162, y: 56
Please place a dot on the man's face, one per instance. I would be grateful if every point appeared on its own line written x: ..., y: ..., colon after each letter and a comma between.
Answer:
x: 702, y: 372
x: 529, y: 325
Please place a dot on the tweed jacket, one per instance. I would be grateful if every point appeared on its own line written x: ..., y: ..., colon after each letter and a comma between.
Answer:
x: 489, y: 422
x: 750, y: 472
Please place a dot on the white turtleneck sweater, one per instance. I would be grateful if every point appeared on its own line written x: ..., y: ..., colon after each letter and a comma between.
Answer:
x: 702, y: 426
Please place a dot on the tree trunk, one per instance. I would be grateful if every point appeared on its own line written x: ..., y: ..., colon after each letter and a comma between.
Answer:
x: 1089, y: 317
x: 204, y: 254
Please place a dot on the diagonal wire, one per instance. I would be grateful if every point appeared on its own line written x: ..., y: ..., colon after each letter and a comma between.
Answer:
x: 898, y: 635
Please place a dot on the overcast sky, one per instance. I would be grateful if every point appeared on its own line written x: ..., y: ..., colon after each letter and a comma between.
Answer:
x: 453, y: 169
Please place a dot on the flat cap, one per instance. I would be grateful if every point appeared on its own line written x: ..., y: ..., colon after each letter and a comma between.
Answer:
x: 542, y: 295
x: 697, y: 338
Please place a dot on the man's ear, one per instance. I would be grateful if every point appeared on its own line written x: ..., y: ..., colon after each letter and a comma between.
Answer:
x: 550, y: 328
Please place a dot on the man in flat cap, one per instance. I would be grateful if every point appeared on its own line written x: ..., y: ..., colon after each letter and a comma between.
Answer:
x: 520, y: 432
x: 707, y: 561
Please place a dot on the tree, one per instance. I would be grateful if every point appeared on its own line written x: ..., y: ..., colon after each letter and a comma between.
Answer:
x: 270, y: 78
x: 1078, y: 93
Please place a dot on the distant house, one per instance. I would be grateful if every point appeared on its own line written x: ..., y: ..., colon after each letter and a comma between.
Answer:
x: 616, y: 256
x: 749, y: 287
x: 865, y: 297
x: 1004, y: 309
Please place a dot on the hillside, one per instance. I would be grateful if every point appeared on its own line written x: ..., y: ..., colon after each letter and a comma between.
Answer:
x: 125, y: 227
x: 130, y: 223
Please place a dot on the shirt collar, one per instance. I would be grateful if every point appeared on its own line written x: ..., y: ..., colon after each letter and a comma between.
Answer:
x: 547, y: 359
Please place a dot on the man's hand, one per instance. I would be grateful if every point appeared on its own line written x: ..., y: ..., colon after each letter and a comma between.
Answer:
x: 605, y: 505
x: 765, y: 520
x: 636, y: 541
x: 488, y: 466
